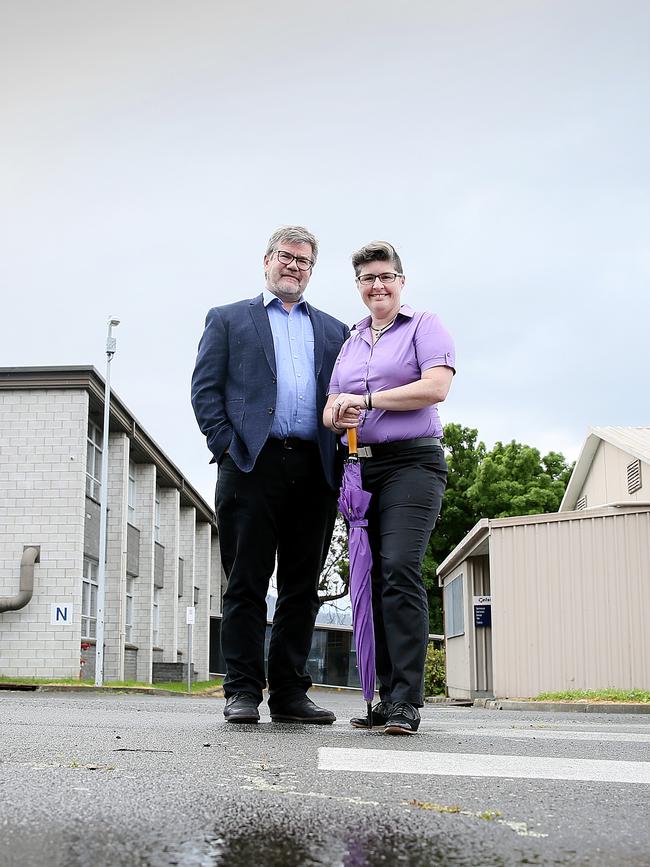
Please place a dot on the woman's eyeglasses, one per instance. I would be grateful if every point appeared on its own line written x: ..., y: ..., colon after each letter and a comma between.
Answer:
x: 369, y: 279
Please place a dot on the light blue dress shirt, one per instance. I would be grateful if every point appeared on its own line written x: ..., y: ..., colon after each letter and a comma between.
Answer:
x: 293, y: 341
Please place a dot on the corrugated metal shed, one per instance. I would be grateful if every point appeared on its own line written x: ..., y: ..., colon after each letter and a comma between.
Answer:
x: 569, y: 593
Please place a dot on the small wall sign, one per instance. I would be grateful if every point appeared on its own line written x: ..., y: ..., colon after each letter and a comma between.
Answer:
x: 61, y: 614
x: 482, y: 610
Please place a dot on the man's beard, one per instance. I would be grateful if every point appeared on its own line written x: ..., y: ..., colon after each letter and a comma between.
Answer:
x: 293, y: 292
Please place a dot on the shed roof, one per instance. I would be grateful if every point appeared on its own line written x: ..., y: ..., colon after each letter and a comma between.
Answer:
x: 476, y: 541
x: 635, y: 441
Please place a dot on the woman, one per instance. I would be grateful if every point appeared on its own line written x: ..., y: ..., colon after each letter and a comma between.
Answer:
x: 391, y: 373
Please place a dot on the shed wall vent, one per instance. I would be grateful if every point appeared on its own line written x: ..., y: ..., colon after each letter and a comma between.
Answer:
x: 581, y: 505
x: 633, y: 476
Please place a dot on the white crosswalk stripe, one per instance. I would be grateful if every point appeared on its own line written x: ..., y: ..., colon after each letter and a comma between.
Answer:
x: 552, y: 735
x: 480, y: 765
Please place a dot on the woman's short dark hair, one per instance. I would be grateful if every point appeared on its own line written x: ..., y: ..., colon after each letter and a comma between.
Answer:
x: 376, y: 251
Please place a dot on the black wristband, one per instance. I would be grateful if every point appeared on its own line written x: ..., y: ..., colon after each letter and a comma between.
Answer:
x: 369, y: 400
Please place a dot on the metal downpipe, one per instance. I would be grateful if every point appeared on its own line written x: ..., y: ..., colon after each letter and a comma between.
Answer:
x: 31, y: 555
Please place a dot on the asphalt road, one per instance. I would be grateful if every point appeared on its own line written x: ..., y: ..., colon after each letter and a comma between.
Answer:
x: 124, y: 780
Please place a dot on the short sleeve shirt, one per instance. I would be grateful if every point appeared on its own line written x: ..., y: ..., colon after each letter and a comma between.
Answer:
x: 414, y: 343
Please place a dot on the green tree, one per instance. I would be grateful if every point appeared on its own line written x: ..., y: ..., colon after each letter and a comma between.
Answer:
x: 510, y: 479
x: 514, y: 479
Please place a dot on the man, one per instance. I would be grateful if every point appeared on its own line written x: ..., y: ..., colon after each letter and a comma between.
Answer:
x: 258, y: 392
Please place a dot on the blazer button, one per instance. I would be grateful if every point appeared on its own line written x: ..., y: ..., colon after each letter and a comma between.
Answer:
x: 274, y: 381
x: 271, y: 410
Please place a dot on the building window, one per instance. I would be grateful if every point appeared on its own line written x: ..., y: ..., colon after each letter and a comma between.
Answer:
x: 128, y: 624
x: 89, y: 600
x: 155, y: 617
x: 131, y: 494
x: 581, y: 504
x: 634, y: 477
x: 93, y: 461
x: 156, y: 517
x: 454, y: 615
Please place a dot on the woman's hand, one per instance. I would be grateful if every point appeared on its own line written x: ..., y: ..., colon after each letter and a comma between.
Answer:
x: 346, y: 409
x: 342, y: 411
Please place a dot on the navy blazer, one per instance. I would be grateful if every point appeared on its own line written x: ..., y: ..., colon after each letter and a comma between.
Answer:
x: 234, y: 385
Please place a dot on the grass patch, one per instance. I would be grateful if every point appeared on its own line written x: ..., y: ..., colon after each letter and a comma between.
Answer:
x: 618, y: 695
x: 198, y: 688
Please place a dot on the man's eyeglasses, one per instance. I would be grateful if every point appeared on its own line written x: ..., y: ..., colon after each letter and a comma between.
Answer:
x: 303, y: 263
x: 369, y: 279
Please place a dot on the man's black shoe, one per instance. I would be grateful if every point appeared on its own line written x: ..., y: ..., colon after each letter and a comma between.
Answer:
x: 380, y: 713
x: 241, y: 708
x: 404, y: 719
x: 301, y: 710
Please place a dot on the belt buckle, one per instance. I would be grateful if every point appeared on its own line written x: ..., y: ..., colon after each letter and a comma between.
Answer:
x: 364, y: 452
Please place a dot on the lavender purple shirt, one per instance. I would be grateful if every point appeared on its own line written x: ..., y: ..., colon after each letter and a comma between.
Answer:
x: 414, y: 343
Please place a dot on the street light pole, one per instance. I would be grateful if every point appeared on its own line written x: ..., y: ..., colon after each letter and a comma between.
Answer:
x: 111, y: 345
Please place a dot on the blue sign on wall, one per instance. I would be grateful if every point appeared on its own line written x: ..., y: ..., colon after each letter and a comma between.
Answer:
x: 482, y: 615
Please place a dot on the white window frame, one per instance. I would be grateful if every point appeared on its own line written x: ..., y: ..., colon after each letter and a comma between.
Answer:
x: 131, y: 494
x: 128, y: 616
x: 89, y: 599
x: 94, y: 456
x: 155, y: 617
x: 454, y: 607
x: 156, y: 516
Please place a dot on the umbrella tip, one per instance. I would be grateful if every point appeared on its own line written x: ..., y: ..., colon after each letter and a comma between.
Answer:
x: 369, y: 709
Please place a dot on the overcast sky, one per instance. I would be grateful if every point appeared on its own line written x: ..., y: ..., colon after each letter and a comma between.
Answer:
x: 148, y: 150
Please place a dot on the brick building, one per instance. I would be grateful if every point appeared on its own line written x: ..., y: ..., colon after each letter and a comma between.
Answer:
x: 162, y: 548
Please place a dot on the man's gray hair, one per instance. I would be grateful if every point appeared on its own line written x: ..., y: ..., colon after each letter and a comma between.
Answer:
x: 292, y: 235
x: 376, y: 251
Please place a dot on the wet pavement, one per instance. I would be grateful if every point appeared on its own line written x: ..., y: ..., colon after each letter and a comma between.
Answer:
x: 122, y: 780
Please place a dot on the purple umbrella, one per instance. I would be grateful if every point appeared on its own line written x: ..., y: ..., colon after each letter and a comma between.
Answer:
x: 353, y: 505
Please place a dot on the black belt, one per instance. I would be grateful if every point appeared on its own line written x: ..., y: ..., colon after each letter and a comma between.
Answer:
x: 376, y: 450
x: 292, y: 443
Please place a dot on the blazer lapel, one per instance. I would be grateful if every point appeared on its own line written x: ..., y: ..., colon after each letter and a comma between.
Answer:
x: 319, y: 338
x: 263, y: 326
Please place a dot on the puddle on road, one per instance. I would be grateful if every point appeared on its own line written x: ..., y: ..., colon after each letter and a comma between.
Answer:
x: 272, y: 847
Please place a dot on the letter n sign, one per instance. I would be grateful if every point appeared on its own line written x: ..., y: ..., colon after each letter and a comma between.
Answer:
x: 61, y: 614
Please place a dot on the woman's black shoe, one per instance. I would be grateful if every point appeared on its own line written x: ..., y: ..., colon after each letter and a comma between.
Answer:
x: 404, y: 719
x: 380, y: 713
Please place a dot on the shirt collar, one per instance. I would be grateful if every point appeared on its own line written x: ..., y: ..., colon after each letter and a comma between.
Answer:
x: 404, y: 310
x: 268, y: 298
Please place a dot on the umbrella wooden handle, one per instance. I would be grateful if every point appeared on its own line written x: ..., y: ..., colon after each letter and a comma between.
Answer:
x: 352, y: 440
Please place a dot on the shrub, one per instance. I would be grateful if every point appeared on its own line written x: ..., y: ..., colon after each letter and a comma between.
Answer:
x: 434, y: 671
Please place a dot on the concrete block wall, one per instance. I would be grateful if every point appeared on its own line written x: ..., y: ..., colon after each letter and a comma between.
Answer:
x: 170, y: 504
x: 42, y: 495
x: 202, y: 572
x: 187, y: 550
x: 115, y: 602
x: 145, y: 482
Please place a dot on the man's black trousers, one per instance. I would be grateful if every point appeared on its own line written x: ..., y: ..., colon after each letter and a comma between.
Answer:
x: 283, y: 507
